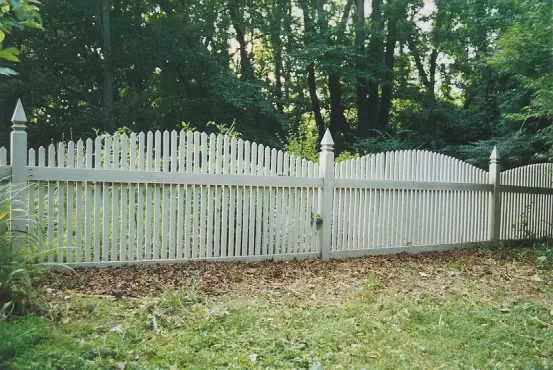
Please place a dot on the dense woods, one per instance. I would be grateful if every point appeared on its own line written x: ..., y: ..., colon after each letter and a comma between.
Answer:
x: 454, y: 76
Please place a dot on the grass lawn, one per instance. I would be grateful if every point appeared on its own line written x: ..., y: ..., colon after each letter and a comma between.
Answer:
x: 463, y: 309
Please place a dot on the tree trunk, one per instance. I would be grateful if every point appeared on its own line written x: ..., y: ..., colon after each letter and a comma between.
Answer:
x: 338, y: 122
x: 277, y: 52
x: 311, y: 80
x: 388, y: 80
x: 361, y: 82
x: 108, y: 65
x: 375, y: 57
x: 246, y: 69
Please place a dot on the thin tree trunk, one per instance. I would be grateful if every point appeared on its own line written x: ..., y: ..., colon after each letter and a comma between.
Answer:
x: 375, y: 56
x: 361, y: 82
x: 246, y: 69
x: 311, y: 80
x: 108, y: 65
x: 388, y: 81
x: 277, y: 51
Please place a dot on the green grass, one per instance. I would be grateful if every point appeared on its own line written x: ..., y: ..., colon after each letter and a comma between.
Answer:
x: 367, y: 326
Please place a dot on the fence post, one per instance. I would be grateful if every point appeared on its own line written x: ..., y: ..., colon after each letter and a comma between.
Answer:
x: 495, y: 197
x: 326, y: 173
x: 18, y: 162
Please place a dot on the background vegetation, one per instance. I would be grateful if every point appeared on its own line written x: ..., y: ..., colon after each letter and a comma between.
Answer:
x: 455, y: 76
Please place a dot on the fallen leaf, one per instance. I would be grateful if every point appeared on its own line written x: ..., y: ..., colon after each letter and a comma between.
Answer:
x: 116, y: 329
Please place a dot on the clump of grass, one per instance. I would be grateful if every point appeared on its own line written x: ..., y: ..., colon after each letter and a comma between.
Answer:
x: 17, y: 294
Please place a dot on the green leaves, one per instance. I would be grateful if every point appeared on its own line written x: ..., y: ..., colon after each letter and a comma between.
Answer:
x: 18, y: 14
x: 9, y: 54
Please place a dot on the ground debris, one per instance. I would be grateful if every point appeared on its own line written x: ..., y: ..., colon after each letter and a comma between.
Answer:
x: 426, y: 272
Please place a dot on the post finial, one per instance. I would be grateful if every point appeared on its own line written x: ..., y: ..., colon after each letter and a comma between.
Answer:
x: 19, y: 118
x: 327, y: 144
x: 494, y: 156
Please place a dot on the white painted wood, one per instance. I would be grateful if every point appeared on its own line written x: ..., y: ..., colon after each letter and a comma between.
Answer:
x: 133, y: 191
x: 79, y: 216
x: 61, y: 207
x: 123, y: 254
x: 216, y: 197
x: 225, y: 225
x: 3, y: 156
x: 42, y: 190
x: 232, y: 201
x: 97, y: 201
x: 173, y: 191
x: 252, y: 202
x: 51, y: 215
x: 105, y: 201
x: 31, y: 205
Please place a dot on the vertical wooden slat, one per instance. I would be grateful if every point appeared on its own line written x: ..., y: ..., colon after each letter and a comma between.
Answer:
x: 210, y: 195
x: 79, y: 207
x: 232, y: 202
x: 124, y: 202
x: 31, y: 205
x: 252, y: 202
x: 141, y: 200
x: 133, y: 190
x: 42, y: 189
x: 180, y: 195
x: 157, y: 190
x: 244, y: 229
x: 105, y: 200
x: 88, y: 206
x: 173, y: 191
x: 278, y: 209
x: 267, y: 198
x: 61, y: 205
x: 51, y: 195
x: 260, y: 201
x: 98, y: 191
x: 239, y: 200
x: 115, y: 165
x: 272, y: 205
x: 218, y: 198
x: 165, y: 193
x: 225, y: 225
x: 150, y: 194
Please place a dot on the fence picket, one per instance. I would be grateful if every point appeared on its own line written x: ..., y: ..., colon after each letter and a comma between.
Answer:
x: 79, y: 206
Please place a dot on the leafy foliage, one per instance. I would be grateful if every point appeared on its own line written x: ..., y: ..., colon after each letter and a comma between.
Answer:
x: 455, y: 76
x: 16, y: 14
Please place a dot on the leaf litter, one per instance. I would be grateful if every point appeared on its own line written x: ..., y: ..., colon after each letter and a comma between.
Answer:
x: 439, y: 274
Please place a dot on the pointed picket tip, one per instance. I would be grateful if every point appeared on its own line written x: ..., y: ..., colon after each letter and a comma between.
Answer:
x: 19, y: 116
x: 327, y: 138
x: 494, y: 154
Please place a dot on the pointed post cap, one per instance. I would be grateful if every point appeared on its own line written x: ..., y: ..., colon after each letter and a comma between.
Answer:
x: 494, y: 156
x: 327, y: 143
x: 19, y: 118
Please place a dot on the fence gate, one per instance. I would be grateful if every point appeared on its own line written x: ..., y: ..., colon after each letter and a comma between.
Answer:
x: 408, y: 199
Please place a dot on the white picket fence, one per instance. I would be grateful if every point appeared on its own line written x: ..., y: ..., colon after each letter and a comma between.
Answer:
x: 181, y: 196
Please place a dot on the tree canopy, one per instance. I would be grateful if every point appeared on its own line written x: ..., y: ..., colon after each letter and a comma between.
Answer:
x: 456, y: 76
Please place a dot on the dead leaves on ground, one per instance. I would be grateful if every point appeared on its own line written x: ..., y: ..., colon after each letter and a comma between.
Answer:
x: 478, y: 272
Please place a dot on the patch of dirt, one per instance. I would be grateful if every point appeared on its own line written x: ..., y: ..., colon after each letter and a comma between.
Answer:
x: 478, y: 273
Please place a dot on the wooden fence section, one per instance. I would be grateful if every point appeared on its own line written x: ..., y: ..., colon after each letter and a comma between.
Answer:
x: 181, y: 196
x: 527, y: 205
x: 408, y: 198
x: 171, y: 196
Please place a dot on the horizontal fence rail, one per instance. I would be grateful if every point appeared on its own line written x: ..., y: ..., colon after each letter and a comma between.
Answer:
x: 182, y: 196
